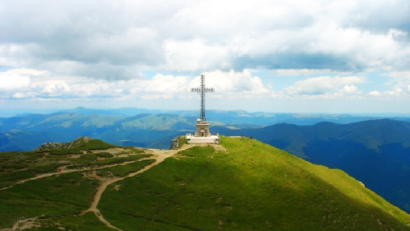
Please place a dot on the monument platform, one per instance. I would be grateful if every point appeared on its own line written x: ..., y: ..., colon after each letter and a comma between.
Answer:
x: 191, y: 139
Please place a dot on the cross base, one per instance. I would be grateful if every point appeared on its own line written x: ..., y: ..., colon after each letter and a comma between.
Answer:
x: 202, y: 129
x: 202, y: 134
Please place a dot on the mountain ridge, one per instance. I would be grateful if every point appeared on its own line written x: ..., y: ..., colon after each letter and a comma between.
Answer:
x: 375, y: 152
x: 242, y: 184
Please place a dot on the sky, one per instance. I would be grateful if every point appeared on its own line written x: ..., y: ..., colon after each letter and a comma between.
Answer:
x: 311, y: 56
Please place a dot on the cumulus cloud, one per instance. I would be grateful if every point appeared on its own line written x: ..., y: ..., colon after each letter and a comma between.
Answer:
x: 303, y: 49
x: 29, y: 83
x: 375, y: 93
x: 379, y: 16
x: 399, y: 82
x: 116, y: 39
x: 36, y: 84
x: 235, y: 84
x: 17, y: 78
x: 193, y: 55
x: 325, y: 85
x: 298, y: 72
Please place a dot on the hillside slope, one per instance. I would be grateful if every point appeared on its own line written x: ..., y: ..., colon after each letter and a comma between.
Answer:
x: 376, y: 152
x: 48, y: 188
x: 249, y: 186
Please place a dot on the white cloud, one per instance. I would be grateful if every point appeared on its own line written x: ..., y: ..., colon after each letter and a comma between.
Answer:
x: 375, y: 93
x: 17, y: 78
x: 235, y: 84
x: 193, y: 55
x: 161, y: 86
x: 298, y: 72
x: 350, y: 89
x: 399, y: 82
x: 399, y: 74
x: 396, y: 92
x: 325, y: 85
x: 92, y: 49
x: 232, y: 84
x: 115, y: 39
x: 18, y: 95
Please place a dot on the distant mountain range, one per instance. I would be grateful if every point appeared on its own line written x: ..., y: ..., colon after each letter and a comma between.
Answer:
x: 139, y: 127
x: 139, y: 130
x: 236, y: 117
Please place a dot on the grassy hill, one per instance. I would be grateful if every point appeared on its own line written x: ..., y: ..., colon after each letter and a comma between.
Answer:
x: 250, y: 186
x: 376, y: 152
x: 49, y: 158
x: 242, y: 184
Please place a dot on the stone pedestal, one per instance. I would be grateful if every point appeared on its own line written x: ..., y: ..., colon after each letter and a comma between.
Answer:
x: 202, y: 129
x: 202, y: 134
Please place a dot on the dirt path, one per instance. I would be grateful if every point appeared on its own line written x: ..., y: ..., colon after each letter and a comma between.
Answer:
x: 73, y: 170
x: 159, y: 155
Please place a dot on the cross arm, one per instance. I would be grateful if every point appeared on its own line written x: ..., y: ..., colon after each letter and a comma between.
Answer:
x: 209, y: 90
x: 205, y: 90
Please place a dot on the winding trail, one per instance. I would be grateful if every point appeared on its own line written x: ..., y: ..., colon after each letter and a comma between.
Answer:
x: 74, y: 170
x: 159, y: 155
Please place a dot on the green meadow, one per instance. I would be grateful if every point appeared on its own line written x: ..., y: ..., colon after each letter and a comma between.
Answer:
x: 56, y: 201
x: 250, y: 186
x: 242, y: 184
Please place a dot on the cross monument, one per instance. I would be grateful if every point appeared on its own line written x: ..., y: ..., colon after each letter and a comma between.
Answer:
x: 202, y: 91
x: 202, y: 133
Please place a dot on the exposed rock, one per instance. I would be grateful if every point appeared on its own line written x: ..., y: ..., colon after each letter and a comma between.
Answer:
x: 55, y: 145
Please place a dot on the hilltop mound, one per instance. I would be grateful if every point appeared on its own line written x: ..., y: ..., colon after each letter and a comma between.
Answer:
x: 376, y: 152
x: 242, y: 184
x: 250, y: 186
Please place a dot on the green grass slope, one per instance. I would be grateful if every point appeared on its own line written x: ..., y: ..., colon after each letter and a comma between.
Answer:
x: 54, y: 197
x: 251, y: 186
x: 50, y: 157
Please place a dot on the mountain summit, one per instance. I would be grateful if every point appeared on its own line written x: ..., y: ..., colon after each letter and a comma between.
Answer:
x: 246, y: 185
x: 242, y: 184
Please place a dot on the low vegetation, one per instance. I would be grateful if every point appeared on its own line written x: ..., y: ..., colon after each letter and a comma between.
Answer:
x: 54, y: 202
x: 124, y: 170
x: 52, y: 157
x: 241, y: 185
x: 78, y: 146
x: 251, y: 186
x: 56, y: 196
x: 84, y: 163
x: 181, y: 141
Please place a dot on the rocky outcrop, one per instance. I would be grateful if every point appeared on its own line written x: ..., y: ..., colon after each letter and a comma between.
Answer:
x: 55, y: 145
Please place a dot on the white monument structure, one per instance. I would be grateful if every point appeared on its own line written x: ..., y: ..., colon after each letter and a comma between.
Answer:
x: 202, y: 133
